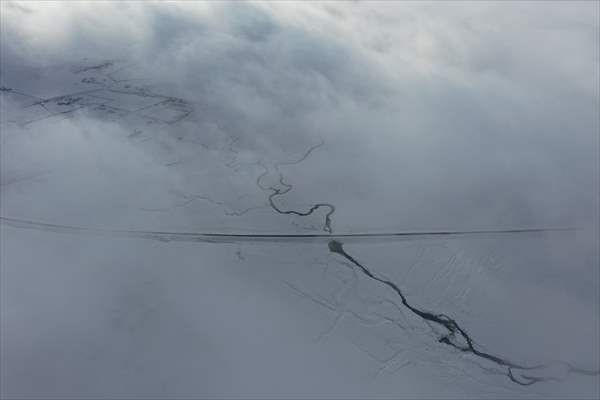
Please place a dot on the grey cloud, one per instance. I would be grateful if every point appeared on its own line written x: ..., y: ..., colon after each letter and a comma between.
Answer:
x: 432, y: 116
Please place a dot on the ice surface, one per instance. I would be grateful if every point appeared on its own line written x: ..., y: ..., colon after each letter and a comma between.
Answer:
x: 263, y: 210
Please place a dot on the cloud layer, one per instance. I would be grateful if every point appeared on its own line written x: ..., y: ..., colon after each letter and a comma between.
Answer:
x: 431, y: 116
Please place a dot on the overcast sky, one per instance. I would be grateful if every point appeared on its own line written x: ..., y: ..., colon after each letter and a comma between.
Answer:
x: 421, y: 116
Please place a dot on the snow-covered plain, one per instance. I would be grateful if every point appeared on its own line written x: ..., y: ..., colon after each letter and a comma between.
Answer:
x: 203, y: 200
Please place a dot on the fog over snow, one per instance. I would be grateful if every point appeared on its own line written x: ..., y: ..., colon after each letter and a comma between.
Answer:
x: 299, y: 199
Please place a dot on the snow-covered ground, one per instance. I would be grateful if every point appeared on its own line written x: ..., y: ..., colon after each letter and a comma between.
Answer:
x: 204, y: 200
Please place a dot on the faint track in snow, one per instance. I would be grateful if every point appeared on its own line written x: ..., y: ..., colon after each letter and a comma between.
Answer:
x: 224, y: 237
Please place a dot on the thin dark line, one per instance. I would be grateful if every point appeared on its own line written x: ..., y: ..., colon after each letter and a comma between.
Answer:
x: 166, y: 235
x: 456, y: 332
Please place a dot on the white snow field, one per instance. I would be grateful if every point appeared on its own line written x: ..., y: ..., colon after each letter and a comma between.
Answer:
x: 299, y: 200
